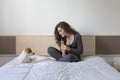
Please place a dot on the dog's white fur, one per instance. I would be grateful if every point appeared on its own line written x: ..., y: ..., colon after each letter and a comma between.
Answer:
x: 27, y: 56
x: 24, y: 57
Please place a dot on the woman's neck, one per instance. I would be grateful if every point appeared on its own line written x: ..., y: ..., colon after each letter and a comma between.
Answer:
x: 69, y: 39
x: 69, y: 36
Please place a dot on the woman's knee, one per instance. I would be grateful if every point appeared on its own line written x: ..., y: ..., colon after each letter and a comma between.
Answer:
x: 50, y: 49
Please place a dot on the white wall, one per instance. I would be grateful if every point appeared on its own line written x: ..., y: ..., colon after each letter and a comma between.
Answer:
x: 39, y: 17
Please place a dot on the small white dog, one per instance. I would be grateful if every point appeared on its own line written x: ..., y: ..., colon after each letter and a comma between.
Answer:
x: 28, y: 56
x: 24, y: 57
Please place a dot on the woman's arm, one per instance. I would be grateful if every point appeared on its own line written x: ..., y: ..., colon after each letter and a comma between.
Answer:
x: 78, y: 46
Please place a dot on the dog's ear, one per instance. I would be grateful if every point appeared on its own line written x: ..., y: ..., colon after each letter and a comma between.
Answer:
x: 28, y: 50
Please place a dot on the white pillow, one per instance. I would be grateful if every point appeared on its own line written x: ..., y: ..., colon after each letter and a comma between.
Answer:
x: 92, y: 58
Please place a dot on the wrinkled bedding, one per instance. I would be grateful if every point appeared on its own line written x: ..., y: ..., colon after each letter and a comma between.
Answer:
x: 91, y: 68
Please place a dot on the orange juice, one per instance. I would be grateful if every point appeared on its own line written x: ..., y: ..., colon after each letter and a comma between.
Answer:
x: 62, y: 45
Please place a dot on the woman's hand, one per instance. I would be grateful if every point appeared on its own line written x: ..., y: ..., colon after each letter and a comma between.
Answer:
x: 66, y: 48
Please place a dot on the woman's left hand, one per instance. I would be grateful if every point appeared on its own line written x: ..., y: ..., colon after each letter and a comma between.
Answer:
x: 66, y: 48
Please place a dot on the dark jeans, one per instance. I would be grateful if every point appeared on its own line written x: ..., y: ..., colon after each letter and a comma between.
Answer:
x: 55, y: 53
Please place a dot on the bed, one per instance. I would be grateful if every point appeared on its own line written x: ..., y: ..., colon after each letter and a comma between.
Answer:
x: 46, y: 68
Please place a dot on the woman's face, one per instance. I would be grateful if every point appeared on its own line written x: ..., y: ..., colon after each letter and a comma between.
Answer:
x: 61, y: 32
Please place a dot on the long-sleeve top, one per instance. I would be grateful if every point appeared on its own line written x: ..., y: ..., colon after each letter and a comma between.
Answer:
x: 77, y: 46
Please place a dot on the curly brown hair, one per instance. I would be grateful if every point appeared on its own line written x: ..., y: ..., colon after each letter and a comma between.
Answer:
x: 67, y: 28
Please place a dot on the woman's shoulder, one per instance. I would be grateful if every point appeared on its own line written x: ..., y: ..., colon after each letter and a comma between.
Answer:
x: 77, y: 34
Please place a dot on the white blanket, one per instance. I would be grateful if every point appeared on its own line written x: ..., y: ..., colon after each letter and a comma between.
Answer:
x: 16, y: 72
x: 91, y: 68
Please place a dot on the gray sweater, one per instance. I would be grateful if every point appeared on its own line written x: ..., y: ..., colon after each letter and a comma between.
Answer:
x: 77, y: 46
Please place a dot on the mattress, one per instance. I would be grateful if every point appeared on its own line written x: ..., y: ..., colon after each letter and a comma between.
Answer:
x: 90, y: 68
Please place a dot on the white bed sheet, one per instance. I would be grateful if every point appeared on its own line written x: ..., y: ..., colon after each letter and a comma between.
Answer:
x: 18, y: 72
x: 91, y: 68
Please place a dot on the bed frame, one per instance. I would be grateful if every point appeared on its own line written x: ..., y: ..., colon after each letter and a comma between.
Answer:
x: 39, y: 44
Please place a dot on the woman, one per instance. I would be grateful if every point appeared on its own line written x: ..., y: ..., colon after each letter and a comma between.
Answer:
x: 73, y: 43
